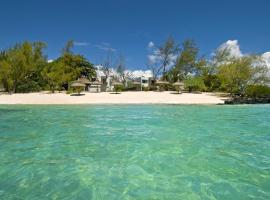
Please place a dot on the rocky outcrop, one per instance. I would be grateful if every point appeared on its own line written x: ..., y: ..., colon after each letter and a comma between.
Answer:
x: 248, y: 100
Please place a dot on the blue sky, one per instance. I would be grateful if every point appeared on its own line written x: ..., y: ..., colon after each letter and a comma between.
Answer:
x: 128, y: 26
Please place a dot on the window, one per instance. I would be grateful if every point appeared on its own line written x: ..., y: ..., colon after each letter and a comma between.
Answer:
x: 144, y: 81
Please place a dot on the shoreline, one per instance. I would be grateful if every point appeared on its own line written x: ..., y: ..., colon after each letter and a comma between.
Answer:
x: 108, y: 98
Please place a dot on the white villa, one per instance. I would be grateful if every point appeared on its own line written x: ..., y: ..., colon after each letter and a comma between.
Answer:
x: 104, y: 84
x: 135, y: 80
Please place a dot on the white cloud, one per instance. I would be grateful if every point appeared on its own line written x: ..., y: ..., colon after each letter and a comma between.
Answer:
x: 151, y: 44
x: 105, y: 47
x: 235, y: 52
x: 140, y: 73
x: 50, y: 60
x: 81, y: 43
x: 105, y: 43
x: 233, y: 47
x: 266, y: 58
x: 133, y: 74
x: 154, y: 58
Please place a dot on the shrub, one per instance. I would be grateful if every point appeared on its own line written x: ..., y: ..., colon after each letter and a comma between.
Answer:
x: 70, y: 90
x: 257, y: 91
x: 146, y: 89
x: 118, y: 88
x: 212, y: 82
x: 153, y: 88
x: 194, y: 84
x: 79, y: 89
x: 29, y: 86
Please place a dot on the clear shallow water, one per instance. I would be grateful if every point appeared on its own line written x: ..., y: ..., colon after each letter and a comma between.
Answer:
x: 135, y: 152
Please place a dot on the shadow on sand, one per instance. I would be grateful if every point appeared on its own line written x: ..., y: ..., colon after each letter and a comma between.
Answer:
x: 77, y: 94
x: 176, y: 93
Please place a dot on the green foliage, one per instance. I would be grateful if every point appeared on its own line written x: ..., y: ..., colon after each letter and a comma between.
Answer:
x: 165, y: 53
x: 70, y: 90
x: 29, y: 86
x: 24, y: 68
x: 118, y: 88
x: 212, y: 82
x: 146, y: 89
x: 56, y: 74
x: 6, y: 75
x: 186, y: 61
x: 78, y: 62
x: 257, y: 91
x: 68, y: 47
x: 20, y: 67
x: 235, y: 75
x: 194, y: 84
x: 78, y: 90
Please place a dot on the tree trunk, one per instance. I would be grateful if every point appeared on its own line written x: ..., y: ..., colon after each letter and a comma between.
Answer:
x: 14, y: 86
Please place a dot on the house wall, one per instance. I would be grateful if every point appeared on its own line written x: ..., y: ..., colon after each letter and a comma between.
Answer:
x: 144, y: 82
x: 106, y: 84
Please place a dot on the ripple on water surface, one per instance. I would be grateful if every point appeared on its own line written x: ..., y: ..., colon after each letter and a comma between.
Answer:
x: 135, y: 152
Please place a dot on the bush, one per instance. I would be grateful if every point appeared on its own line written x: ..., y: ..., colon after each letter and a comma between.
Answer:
x: 194, y: 84
x: 257, y: 91
x: 29, y: 86
x: 119, y: 88
x: 146, y: 89
x: 130, y: 88
x: 169, y: 87
x: 70, y: 90
x: 79, y: 89
x: 152, y: 88
x: 212, y: 82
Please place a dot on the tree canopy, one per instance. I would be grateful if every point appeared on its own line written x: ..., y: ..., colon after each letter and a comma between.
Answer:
x: 24, y: 68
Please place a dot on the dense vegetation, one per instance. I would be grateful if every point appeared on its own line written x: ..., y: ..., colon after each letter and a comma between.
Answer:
x: 24, y: 68
x: 246, y: 75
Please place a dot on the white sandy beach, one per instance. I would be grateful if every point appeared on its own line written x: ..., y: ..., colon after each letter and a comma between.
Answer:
x: 109, y: 98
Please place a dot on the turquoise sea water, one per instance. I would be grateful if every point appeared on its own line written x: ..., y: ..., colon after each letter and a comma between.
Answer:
x: 135, y: 152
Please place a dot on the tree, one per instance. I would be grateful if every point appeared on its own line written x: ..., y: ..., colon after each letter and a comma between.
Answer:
x: 188, y: 62
x: 68, y: 47
x: 166, y: 54
x: 221, y: 56
x: 21, y: 66
x: 257, y: 91
x: 260, y: 71
x: 34, y: 80
x: 6, y: 75
x: 53, y: 74
x: 236, y: 74
x: 60, y: 73
x: 194, y: 84
x: 163, y: 58
x: 211, y: 80
x: 121, y: 70
x: 24, y: 68
x: 155, y: 69
x: 67, y: 68
x: 107, y: 65
x: 77, y: 61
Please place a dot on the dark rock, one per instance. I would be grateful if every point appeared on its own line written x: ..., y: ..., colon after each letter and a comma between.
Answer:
x: 248, y: 100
